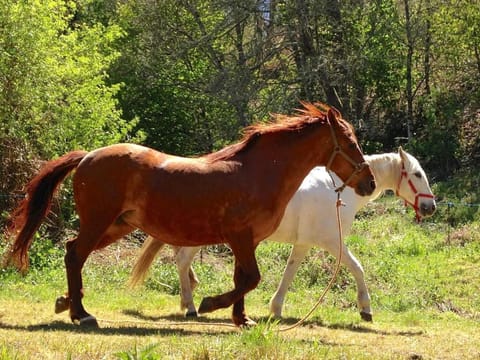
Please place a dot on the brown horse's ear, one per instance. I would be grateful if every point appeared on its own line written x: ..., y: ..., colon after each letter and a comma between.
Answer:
x: 338, y: 114
x: 332, y: 115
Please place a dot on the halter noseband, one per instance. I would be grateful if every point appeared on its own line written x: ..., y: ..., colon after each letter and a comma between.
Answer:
x: 418, y: 195
x: 337, y: 150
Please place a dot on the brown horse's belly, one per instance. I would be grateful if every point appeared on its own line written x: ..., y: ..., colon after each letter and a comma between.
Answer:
x: 177, y: 230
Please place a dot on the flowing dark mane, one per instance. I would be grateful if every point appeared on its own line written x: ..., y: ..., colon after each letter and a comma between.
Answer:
x: 308, y: 115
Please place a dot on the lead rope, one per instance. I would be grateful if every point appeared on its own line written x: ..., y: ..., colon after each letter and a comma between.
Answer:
x: 335, y: 274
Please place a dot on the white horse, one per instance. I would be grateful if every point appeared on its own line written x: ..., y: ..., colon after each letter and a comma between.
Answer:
x: 310, y: 220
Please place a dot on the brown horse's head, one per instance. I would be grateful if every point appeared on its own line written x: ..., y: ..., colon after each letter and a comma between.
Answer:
x: 346, y: 158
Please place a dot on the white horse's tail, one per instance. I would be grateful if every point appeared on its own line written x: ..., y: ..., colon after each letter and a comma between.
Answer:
x: 148, y: 252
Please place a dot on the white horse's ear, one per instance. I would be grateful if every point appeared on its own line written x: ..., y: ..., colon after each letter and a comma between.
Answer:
x: 402, y: 153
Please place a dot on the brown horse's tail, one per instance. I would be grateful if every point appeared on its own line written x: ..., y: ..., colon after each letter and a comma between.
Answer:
x: 149, y: 250
x: 27, y: 217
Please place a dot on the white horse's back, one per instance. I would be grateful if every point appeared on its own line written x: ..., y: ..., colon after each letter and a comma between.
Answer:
x: 310, y: 217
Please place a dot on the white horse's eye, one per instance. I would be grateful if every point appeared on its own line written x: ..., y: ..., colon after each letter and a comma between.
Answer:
x: 418, y: 174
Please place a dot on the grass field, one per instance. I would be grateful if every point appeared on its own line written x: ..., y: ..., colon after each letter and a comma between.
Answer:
x: 423, y: 279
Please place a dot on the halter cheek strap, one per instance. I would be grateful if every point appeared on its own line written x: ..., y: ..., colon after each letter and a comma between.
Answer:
x: 337, y: 150
x: 418, y: 195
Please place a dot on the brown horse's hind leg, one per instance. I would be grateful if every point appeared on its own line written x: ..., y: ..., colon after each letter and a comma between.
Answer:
x: 246, y: 278
x: 77, y: 252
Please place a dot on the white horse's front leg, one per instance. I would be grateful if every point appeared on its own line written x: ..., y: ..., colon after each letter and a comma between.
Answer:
x: 352, y: 264
x: 188, y: 279
x: 295, y: 259
x: 363, y: 297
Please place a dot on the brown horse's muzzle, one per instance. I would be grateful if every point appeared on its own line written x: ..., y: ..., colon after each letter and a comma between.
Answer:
x: 366, y: 186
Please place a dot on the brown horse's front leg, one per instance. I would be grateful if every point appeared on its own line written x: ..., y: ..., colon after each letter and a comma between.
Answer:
x: 238, y: 314
x: 246, y: 278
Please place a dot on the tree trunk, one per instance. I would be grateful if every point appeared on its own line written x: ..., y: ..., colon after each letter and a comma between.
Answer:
x: 409, y: 90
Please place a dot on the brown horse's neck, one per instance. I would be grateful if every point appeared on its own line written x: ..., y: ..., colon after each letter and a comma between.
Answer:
x: 284, y: 158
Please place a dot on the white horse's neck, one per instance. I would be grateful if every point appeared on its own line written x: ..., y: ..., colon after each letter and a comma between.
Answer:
x: 387, y: 170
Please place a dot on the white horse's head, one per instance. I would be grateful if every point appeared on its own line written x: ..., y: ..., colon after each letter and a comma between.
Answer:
x: 413, y: 186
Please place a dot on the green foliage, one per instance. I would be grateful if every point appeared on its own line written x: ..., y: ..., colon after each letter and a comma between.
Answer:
x: 53, y: 85
x: 164, y: 278
x: 138, y: 354
x: 45, y: 255
x: 168, y: 77
x: 459, y: 199
x: 8, y: 352
x: 440, y: 115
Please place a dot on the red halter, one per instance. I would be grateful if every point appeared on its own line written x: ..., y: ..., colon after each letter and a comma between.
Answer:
x: 414, y: 190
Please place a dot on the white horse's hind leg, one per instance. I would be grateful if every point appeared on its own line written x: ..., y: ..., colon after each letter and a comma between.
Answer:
x: 296, y: 256
x: 188, y: 279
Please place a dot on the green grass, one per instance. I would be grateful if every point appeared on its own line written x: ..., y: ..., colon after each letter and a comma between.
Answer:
x: 423, y: 280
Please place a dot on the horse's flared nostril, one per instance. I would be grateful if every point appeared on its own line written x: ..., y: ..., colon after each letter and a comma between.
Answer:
x: 373, y: 185
x: 427, y: 209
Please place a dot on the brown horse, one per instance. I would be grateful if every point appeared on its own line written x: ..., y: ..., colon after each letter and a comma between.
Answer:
x: 236, y: 196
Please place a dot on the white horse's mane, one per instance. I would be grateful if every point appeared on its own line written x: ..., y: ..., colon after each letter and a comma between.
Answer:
x: 387, y: 168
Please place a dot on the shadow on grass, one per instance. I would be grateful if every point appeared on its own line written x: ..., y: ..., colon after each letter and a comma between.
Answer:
x: 358, y: 328
x: 174, y: 324
x: 171, y: 325
x: 175, y: 317
x: 282, y: 323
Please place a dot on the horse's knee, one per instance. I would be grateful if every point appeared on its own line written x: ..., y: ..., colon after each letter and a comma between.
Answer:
x: 252, y: 281
x: 193, y: 278
x: 246, y: 280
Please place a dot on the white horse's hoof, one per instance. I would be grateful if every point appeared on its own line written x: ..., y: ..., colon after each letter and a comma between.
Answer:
x: 191, y: 314
x: 366, y: 316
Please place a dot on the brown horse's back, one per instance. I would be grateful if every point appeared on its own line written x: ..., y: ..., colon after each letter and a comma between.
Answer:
x: 188, y: 201
x: 110, y: 177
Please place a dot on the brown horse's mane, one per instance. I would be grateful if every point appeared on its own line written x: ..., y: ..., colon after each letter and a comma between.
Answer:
x: 309, y: 114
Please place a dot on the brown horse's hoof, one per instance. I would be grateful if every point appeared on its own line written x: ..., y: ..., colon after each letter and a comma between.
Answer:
x: 88, y: 321
x: 191, y: 314
x: 366, y: 316
x: 206, y: 305
x: 61, y: 304
x: 244, y: 323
